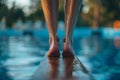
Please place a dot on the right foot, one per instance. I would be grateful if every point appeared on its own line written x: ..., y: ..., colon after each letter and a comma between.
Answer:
x: 68, y: 50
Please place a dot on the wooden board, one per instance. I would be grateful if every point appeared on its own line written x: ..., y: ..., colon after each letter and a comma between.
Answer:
x: 61, y: 69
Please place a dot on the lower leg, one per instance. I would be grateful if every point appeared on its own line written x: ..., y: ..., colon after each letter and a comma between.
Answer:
x: 50, y: 9
x: 72, y: 9
x: 55, y: 19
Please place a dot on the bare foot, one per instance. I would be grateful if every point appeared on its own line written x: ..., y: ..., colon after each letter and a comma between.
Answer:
x: 54, y: 48
x: 68, y: 50
x: 53, y: 51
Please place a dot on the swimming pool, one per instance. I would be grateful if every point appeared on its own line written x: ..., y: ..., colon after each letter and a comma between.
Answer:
x: 21, y: 55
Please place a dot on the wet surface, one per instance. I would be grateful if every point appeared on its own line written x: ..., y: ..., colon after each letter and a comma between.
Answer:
x: 21, y: 56
x: 61, y: 69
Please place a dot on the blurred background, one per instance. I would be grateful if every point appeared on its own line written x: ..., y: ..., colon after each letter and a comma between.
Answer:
x: 94, y: 13
x: 24, y: 38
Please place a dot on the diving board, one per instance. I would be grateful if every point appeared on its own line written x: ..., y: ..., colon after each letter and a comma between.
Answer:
x: 61, y: 69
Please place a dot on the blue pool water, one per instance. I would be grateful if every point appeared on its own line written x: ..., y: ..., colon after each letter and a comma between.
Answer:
x: 21, y: 55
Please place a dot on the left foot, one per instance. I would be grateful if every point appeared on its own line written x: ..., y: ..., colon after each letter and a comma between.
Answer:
x: 53, y: 51
x: 54, y: 48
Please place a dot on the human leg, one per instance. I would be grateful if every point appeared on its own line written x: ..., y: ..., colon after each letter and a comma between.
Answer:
x: 72, y: 8
x: 50, y: 9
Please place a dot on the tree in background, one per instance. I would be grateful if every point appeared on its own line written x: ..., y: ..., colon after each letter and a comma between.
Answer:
x: 102, y: 12
x: 3, y: 9
x: 110, y: 11
x: 12, y: 14
x: 96, y: 13
x: 37, y: 12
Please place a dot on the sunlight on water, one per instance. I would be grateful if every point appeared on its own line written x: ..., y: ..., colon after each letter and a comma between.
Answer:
x: 20, y: 56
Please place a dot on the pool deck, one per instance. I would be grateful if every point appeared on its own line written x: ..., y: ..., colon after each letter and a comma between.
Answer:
x: 61, y: 69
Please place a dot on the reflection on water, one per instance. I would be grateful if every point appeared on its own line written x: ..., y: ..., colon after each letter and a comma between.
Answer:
x: 20, y: 56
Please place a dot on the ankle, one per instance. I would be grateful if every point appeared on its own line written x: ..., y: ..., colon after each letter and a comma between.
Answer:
x: 53, y: 40
x: 54, y: 44
x: 67, y: 41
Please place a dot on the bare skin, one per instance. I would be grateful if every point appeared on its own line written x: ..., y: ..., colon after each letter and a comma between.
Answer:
x: 72, y: 8
x: 50, y: 9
